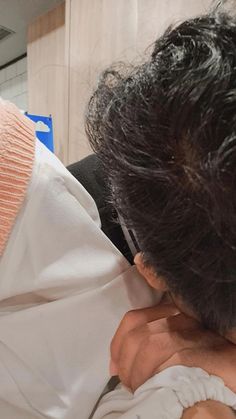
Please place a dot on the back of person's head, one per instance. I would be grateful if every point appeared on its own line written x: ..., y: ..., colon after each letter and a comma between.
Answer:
x: 166, y: 132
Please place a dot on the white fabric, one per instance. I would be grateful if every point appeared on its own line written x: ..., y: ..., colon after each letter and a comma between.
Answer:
x: 63, y: 290
x: 165, y: 396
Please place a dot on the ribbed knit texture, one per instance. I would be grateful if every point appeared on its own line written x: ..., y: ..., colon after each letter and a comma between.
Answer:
x: 17, y: 143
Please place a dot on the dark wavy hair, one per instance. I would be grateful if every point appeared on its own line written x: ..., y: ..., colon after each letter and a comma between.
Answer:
x: 165, y: 131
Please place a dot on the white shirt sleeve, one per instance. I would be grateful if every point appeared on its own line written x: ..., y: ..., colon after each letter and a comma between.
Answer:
x: 165, y: 396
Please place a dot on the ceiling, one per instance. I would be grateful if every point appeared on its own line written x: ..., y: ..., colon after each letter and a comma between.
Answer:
x: 16, y: 15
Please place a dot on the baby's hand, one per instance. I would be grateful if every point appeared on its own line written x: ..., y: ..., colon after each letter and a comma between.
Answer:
x: 152, y: 339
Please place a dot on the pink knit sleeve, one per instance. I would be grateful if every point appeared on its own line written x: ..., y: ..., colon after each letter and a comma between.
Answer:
x: 17, y: 143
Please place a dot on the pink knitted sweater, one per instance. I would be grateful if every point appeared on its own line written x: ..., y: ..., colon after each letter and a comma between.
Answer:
x: 17, y: 143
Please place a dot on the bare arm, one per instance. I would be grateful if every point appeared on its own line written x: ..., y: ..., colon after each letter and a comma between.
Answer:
x: 209, y: 410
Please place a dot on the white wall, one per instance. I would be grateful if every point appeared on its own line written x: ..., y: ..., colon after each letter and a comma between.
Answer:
x: 13, y: 83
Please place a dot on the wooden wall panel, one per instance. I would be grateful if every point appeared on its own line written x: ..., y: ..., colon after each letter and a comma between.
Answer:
x: 67, y: 52
x: 154, y: 16
x: 48, y: 74
x: 100, y: 32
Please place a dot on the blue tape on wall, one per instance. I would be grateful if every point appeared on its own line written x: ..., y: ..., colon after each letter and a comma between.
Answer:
x: 43, y: 129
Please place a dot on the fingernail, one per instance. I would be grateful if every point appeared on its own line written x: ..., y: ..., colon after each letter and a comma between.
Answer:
x: 112, y: 368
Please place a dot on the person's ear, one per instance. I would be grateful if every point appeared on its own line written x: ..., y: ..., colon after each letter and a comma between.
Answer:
x: 148, y: 273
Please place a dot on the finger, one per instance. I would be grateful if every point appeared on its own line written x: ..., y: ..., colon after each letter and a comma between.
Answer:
x: 177, y: 323
x: 135, y: 318
x: 133, y: 339
x: 130, y: 346
x: 142, y: 339
x: 156, y: 351
x: 211, y: 359
x: 113, y: 370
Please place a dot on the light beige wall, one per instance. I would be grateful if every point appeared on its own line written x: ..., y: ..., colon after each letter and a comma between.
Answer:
x: 100, y: 32
x: 47, y: 74
x: 64, y: 60
x: 13, y: 83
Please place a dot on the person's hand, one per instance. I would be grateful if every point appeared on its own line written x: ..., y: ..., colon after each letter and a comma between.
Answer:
x: 152, y: 339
